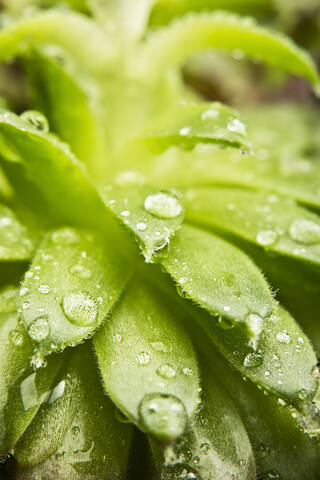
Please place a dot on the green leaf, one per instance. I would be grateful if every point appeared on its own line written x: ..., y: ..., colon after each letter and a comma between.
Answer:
x: 73, y: 282
x: 83, y: 445
x: 21, y: 389
x: 274, y: 223
x: 172, y: 45
x: 280, y: 447
x: 217, y: 444
x: 190, y: 124
x: 45, y: 174
x: 63, y: 28
x: 148, y: 365
x: 220, y: 278
x: 152, y: 216
x: 70, y: 98
x: 17, y: 242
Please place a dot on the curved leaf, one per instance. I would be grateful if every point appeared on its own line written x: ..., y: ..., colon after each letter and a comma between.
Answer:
x: 172, y: 45
x: 17, y: 242
x: 217, y: 446
x: 46, y: 175
x: 21, y: 390
x: 86, y: 445
x: 272, y: 222
x: 70, y: 99
x: 64, y: 28
x: 190, y: 124
x: 220, y: 278
x: 152, y: 216
x: 71, y: 286
x: 147, y: 362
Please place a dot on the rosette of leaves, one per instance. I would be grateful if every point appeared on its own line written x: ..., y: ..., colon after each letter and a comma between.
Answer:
x: 159, y: 266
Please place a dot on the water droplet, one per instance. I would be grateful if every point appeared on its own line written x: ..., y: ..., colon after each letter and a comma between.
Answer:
x: 267, y: 373
x: 303, y: 394
x: 44, y: 289
x: 225, y: 323
x: 255, y: 323
x: 196, y: 459
x: 236, y: 126
x: 80, y: 271
x: 36, y: 120
x: 166, y: 371
x: 143, y: 359
x: 252, y: 360
x: 267, y: 238
x: 204, y: 447
x: 187, y: 372
x: 163, y: 205
x: 16, y: 338
x: 65, y: 236
x: 159, y: 347
x: 75, y: 430
x: 80, y: 309
x: 39, y: 329
x: 125, y: 213
x: 283, y: 337
x: 24, y: 291
x: 163, y: 416
x: 305, y: 231
x: 181, y: 471
x: 185, y: 131
x: 38, y: 361
x: 141, y: 226
x: 281, y: 402
x: 210, y: 114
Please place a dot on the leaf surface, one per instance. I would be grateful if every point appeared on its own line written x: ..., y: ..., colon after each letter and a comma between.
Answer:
x: 71, y: 286
x: 148, y: 365
x: 172, y: 45
x: 86, y: 445
x: 152, y: 216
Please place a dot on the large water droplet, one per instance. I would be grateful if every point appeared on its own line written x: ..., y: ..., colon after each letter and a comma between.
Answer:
x: 236, y: 126
x: 163, y: 205
x: 283, y: 337
x: 163, y: 416
x: 39, y: 329
x: 305, y: 231
x: 252, y: 360
x: 166, y: 371
x: 36, y: 120
x: 267, y: 237
x: 80, y: 309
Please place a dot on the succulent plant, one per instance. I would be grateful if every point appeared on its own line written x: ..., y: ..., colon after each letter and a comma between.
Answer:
x: 160, y: 255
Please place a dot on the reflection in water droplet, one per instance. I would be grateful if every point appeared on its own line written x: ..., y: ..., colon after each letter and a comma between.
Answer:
x: 236, y: 126
x: 36, y: 120
x: 163, y: 205
x: 163, y: 416
x: 80, y: 309
x: 143, y: 359
x: 166, y: 371
x: 305, y: 231
x: 267, y: 237
x: 39, y: 329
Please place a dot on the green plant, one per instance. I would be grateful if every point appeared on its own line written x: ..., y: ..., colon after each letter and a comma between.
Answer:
x: 146, y: 242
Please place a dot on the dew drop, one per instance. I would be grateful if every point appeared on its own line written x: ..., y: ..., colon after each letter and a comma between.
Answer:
x: 80, y: 309
x: 166, y: 371
x: 65, y: 236
x: 143, y: 359
x: 141, y: 226
x: 44, y: 289
x: 163, y: 416
x: 283, y: 337
x: 267, y: 237
x: 185, y: 131
x: 39, y: 329
x: 159, y: 347
x: 252, y: 360
x: 163, y: 205
x: 24, y: 291
x: 210, y: 114
x: 36, y: 120
x: 236, y: 126
x: 181, y: 471
x: 302, y: 394
x: 16, y: 338
x: 204, y: 447
x: 305, y: 231
x: 80, y: 271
